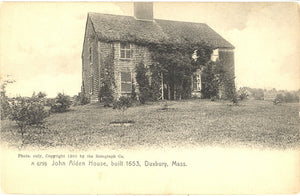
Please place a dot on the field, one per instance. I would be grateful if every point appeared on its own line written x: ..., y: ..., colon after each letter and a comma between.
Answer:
x: 190, y: 123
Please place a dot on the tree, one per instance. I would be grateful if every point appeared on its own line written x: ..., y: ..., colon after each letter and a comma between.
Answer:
x: 143, y: 82
x: 4, y: 101
x: 230, y: 92
x: 28, y: 112
x: 177, y: 63
x: 61, y: 103
x: 211, y: 80
x: 106, y: 94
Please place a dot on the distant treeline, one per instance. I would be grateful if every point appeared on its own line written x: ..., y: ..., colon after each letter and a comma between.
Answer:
x: 271, y: 94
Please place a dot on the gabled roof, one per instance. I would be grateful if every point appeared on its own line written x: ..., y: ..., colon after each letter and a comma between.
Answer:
x: 127, y: 28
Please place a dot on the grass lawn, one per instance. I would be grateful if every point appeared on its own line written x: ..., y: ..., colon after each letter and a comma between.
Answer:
x: 257, y: 124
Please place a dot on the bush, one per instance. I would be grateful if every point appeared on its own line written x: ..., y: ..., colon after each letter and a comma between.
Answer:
x: 49, y: 102
x: 28, y: 112
x: 122, y: 104
x: 4, y: 102
x: 143, y: 82
x: 242, y: 93
x: 40, y: 95
x: 210, y: 81
x: 61, y: 103
x: 287, y: 97
x: 133, y: 93
x: 106, y: 95
x: 258, y: 94
x: 277, y: 100
x: 107, y: 76
x: 4, y: 107
x: 290, y: 97
x: 81, y: 99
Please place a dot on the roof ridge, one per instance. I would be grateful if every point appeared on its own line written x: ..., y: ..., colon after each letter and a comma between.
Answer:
x: 127, y: 28
x: 153, y: 18
x: 110, y: 14
x: 182, y: 21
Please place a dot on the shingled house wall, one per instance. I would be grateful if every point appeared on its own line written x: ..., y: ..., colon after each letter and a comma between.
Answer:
x: 100, y: 51
x: 226, y: 58
x: 90, y: 67
x: 140, y: 54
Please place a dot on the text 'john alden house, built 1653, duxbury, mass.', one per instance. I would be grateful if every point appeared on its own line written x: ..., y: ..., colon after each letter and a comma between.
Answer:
x: 114, y: 45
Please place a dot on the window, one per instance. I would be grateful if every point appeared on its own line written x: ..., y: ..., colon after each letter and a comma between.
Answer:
x: 90, y: 54
x: 91, y: 84
x: 197, y: 81
x: 125, y: 51
x: 126, y: 82
x: 194, y: 55
x: 215, y: 55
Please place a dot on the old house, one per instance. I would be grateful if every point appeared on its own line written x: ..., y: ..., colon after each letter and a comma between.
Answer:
x: 120, y: 40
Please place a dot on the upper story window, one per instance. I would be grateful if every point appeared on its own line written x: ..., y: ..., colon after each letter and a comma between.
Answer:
x: 90, y: 54
x: 91, y: 84
x: 215, y: 55
x: 194, y: 55
x: 125, y: 51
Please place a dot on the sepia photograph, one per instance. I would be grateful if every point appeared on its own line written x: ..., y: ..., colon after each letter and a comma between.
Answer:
x: 150, y: 97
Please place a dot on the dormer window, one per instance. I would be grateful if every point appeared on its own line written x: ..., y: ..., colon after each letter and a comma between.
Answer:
x: 125, y: 51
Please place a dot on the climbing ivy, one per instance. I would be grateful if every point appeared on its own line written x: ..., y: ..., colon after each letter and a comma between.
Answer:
x: 176, y: 65
x: 107, y: 77
x: 143, y: 82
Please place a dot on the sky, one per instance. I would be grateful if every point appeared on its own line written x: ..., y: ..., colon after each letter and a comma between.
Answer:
x: 41, y: 42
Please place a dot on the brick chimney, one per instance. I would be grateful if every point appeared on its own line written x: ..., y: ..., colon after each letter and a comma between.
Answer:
x: 143, y: 11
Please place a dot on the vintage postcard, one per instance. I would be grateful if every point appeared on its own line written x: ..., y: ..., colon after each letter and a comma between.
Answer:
x: 149, y: 98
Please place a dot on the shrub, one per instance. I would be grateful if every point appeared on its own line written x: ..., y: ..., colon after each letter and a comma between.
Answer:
x: 230, y: 92
x: 242, y: 93
x: 81, y: 99
x: 133, y: 93
x: 287, y: 97
x: 291, y: 97
x: 156, y: 81
x: 4, y: 107
x: 106, y: 95
x: 277, y: 100
x: 49, y: 102
x: 61, y: 103
x: 143, y: 82
x: 213, y: 98
x: 4, y: 102
x: 107, y: 77
x: 122, y: 104
x: 210, y: 81
x: 258, y: 94
x: 40, y: 95
x: 28, y: 112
